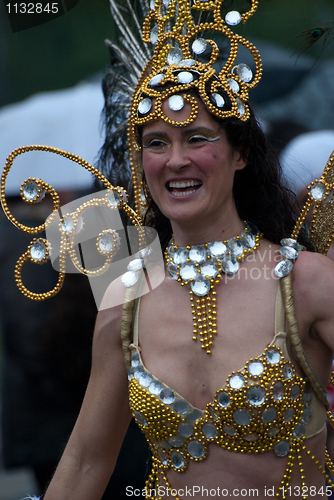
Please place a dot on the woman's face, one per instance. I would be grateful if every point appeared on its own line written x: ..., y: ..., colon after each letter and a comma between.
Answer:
x: 189, y: 170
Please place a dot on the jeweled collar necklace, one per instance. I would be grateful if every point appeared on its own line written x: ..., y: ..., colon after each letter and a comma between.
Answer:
x: 201, y: 267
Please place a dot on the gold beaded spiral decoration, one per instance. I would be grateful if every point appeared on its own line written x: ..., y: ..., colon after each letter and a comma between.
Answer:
x: 172, y: 28
x: 39, y: 249
x: 320, y: 196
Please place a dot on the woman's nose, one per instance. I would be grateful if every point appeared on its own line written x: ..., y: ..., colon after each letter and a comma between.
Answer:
x: 178, y: 157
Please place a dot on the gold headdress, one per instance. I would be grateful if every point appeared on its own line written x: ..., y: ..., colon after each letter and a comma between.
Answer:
x: 185, y: 58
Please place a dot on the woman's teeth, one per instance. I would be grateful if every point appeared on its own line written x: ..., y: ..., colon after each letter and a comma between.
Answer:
x: 183, y: 184
x: 176, y: 186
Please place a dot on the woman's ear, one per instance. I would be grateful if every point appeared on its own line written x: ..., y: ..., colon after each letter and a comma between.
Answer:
x: 240, y: 158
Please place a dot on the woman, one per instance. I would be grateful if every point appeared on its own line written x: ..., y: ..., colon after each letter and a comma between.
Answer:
x: 191, y: 173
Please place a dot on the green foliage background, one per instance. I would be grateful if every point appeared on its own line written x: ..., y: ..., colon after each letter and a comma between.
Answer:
x: 70, y: 48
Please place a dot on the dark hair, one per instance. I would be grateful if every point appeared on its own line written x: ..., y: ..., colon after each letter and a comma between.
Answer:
x: 259, y: 191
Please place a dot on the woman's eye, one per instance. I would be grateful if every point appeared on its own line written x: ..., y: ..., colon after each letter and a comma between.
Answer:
x: 197, y: 138
x: 156, y: 143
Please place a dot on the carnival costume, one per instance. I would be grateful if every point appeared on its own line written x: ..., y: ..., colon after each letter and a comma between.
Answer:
x: 264, y: 406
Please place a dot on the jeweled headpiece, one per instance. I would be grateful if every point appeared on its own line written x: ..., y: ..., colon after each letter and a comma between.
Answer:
x: 187, y: 58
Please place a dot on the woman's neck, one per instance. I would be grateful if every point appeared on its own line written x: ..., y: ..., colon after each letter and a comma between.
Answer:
x: 199, y: 232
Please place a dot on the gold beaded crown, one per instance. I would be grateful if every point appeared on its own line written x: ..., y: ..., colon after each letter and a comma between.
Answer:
x: 186, y: 58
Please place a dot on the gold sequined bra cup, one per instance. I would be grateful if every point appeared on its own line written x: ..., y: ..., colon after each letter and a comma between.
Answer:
x: 265, y: 406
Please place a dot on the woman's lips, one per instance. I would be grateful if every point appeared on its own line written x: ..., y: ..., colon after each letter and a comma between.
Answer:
x: 183, y: 188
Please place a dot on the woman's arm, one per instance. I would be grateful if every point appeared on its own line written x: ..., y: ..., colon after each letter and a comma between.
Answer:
x: 91, y: 453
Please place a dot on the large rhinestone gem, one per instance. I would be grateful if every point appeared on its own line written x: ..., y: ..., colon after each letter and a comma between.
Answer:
x: 209, y: 271
x: 155, y: 388
x: 241, y: 107
x: 156, y: 80
x: 242, y: 417
x: 144, y: 106
x: 188, y: 272
x: 174, y: 56
x: 167, y: 396
x: 135, y: 359
x: 218, y: 100
x: 163, y: 457
x: 177, y: 460
x: 186, y: 429
x: 287, y: 371
x: 289, y: 415
x: 196, y: 449
x: 273, y: 356
x: 269, y: 415
x: 230, y: 266
x: 290, y: 242
x: 209, y: 431
x: 113, y: 199
x: 138, y: 371
x: 256, y: 395
x: 181, y: 406
x: 199, y: 46
x: 318, y: 191
x: 145, y: 379
x: 230, y: 431
x: 131, y: 373
x: 248, y: 240
x: 273, y: 432
x: 233, y: 18
x: 251, y: 438
x: 129, y: 279
x: 283, y: 268
x: 68, y: 224
x: 299, y: 431
x: 236, y: 381
x: 197, y: 254
x: 194, y: 415
x: 135, y: 265
x: 289, y: 253
x: 278, y: 391
x: 175, y: 102
x: 244, y: 73
x: 233, y: 84
x: 187, y: 62
x: 180, y: 256
x: 295, y: 392
x: 140, y: 418
x: 236, y: 248
x: 106, y: 243
x: 223, y: 399
x: 154, y: 35
x: 172, y: 269
x: 175, y: 441
x: 38, y: 250
x: 255, y: 368
x: 282, y: 448
x: 200, y: 287
x: 217, y: 249
x: 185, y: 77
x: 30, y: 190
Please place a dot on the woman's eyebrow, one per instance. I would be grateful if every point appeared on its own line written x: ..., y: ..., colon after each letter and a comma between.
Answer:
x: 203, y: 130
x: 150, y: 135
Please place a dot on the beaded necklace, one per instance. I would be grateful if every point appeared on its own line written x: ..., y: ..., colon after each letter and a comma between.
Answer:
x: 201, y: 267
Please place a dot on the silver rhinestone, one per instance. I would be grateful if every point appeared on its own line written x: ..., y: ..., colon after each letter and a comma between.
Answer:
x: 106, y: 243
x: 289, y: 415
x: 175, y: 441
x: 194, y: 415
x: 295, y: 393
x: 129, y: 279
x: 196, y: 449
x: 223, y: 399
x: 255, y: 368
x: 163, y: 457
x: 144, y: 106
x: 273, y: 356
x: 30, y: 190
x: 283, y: 268
x: 233, y: 84
x: 135, y: 265
x: 140, y: 418
x: 269, y: 415
x: 242, y: 417
x: 177, y: 460
x: 217, y: 249
x: 233, y: 18
x: 38, y: 250
x: 187, y: 62
x: 175, y: 102
x: 256, y: 395
x: 289, y: 253
x: 181, y: 406
x: 241, y: 107
x: 154, y: 35
x: 199, y: 46
x: 209, y: 431
x: 244, y: 72
x: 167, y: 396
x: 230, y: 266
x: 68, y: 224
x: 155, y: 388
x: 237, y: 381
x: 218, y: 100
x: 230, y: 431
x: 200, y: 287
x: 186, y: 429
x: 251, y: 438
x: 156, y: 80
x: 287, y: 371
x: 209, y: 270
x: 318, y: 191
x: 307, y: 416
x: 273, y: 432
x: 135, y: 359
x: 198, y: 254
x: 174, y: 56
x: 299, y: 431
x: 185, y: 77
x: 278, y: 391
x: 290, y: 242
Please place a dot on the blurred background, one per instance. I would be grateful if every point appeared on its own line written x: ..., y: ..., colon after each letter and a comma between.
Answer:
x: 50, y: 93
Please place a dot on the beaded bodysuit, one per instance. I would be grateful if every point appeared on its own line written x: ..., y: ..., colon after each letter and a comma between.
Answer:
x: 265, y: 406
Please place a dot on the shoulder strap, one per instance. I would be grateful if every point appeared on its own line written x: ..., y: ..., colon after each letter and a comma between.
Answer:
x: 316, y: 383
x: 279, y: 311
